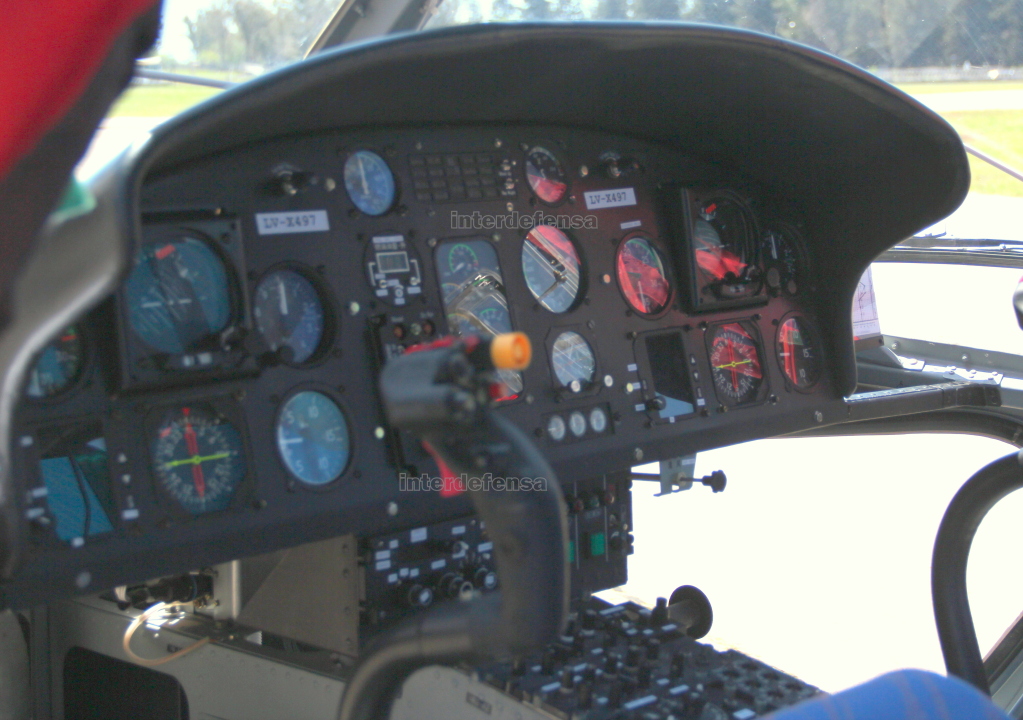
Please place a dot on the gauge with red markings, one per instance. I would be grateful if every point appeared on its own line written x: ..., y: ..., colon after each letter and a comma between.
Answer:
x: 545, y: 176
x: 735, y: 364
x: 58, y: 366
x: 725, y: 249
x: 797, y: 352
x: 198, y: 458
x: 642, y: 277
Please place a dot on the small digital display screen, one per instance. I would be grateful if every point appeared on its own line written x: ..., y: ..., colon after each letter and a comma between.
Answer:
x: 393, y: 262
x: 667, y: 357
x: 75, y: 472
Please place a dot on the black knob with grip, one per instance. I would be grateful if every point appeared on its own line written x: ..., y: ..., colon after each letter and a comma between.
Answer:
x: 419, y: 597
x: 610, y: 665
x: 653, y: 649
x: 567, y: 679
x: 614, y: 695
x: 694, y: 704
x: 643, y: 675
x: 659, y: 615
x: 678, y: 665
x: 690, y: 609
x: 484, y: 578
x: 584, y: 695
x: 632, y: 656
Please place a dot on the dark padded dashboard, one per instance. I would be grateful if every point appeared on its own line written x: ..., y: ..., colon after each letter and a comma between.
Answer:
x: 715, y: 211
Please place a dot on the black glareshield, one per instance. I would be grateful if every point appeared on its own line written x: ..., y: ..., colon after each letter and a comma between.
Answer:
x: 440, y: 395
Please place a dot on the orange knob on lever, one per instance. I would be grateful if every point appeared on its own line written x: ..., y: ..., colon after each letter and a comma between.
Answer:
x: 511, y: 351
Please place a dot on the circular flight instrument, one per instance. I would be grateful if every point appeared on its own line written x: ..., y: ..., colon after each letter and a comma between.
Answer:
x: 725, y: 248
x: 577, y: 423
x: 797, y: 350
x: 198, y: 458
x: 178, y: 293
x: 545, y: 176
x: 551, y: 266
x: 58, y: 366
x: 573, y: 361
x: 735, y: 364
x: 462, y: 263
x: 289, y: 314
x: 312, y: 438
x: 556, y: 428
x: 642, y: 277
x: 369, y: 182
x: 779, y: 250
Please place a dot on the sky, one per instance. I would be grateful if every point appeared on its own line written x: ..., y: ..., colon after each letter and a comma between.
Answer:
x: 174, y: 37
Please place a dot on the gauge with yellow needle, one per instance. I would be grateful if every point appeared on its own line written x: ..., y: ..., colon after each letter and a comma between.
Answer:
x: 736, y: 364
x: 198, y: 458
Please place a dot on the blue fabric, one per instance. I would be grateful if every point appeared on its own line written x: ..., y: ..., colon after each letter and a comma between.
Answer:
x: 903, y: 695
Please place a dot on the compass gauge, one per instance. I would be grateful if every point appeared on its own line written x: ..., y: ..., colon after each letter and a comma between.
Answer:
x: 198, y: 458
x: 736, y: 364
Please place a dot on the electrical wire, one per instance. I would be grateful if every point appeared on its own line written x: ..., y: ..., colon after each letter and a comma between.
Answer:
x: 144, y: 618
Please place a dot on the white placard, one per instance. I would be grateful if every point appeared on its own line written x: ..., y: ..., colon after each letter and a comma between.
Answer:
x: 600, y: 199
x: 286, y: 223
x: 864, y: 310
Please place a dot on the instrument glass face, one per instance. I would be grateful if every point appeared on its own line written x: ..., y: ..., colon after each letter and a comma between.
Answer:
x: 736, y: 364
x: 545, y: 175
x: 573, y: 361
x: 798, y: 353
x: 473, y: 293
x: 724, y: 251
x: 642, y: 277
x: 313, y: 438
x: 369, y: 182
x: 551, y: 266
x: 59, y: 365
x: 198, y: 458
x: 178, y: 294
x: 779, y: 250
x: 289, y: 314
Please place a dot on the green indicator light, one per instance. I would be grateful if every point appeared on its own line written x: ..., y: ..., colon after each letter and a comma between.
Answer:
x: 598, y: 544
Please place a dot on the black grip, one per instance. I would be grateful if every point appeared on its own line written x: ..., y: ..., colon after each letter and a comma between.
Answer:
x: 948, y: 567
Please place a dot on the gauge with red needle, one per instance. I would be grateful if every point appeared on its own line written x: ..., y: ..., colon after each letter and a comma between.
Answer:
x: 724, y: 250
x: 642, y: 277
x: 797, y: 352
x: 198, y: 458
x: 735, y: 364
x: 545, y: 176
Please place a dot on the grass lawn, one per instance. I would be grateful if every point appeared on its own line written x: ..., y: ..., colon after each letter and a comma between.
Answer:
x: 948, y: 87
x: 159, y: 100
x: 999, y: 133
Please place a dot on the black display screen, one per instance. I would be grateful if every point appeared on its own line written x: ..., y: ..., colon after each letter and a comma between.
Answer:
x: 667, y: 357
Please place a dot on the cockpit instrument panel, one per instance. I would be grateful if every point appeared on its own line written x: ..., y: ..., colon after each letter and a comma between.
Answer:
x: 224, y: 402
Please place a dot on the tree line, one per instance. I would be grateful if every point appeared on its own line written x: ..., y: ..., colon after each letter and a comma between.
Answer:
x: 871, y: 33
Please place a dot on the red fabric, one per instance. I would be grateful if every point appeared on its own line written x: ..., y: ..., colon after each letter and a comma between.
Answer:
x: 52, y: 48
